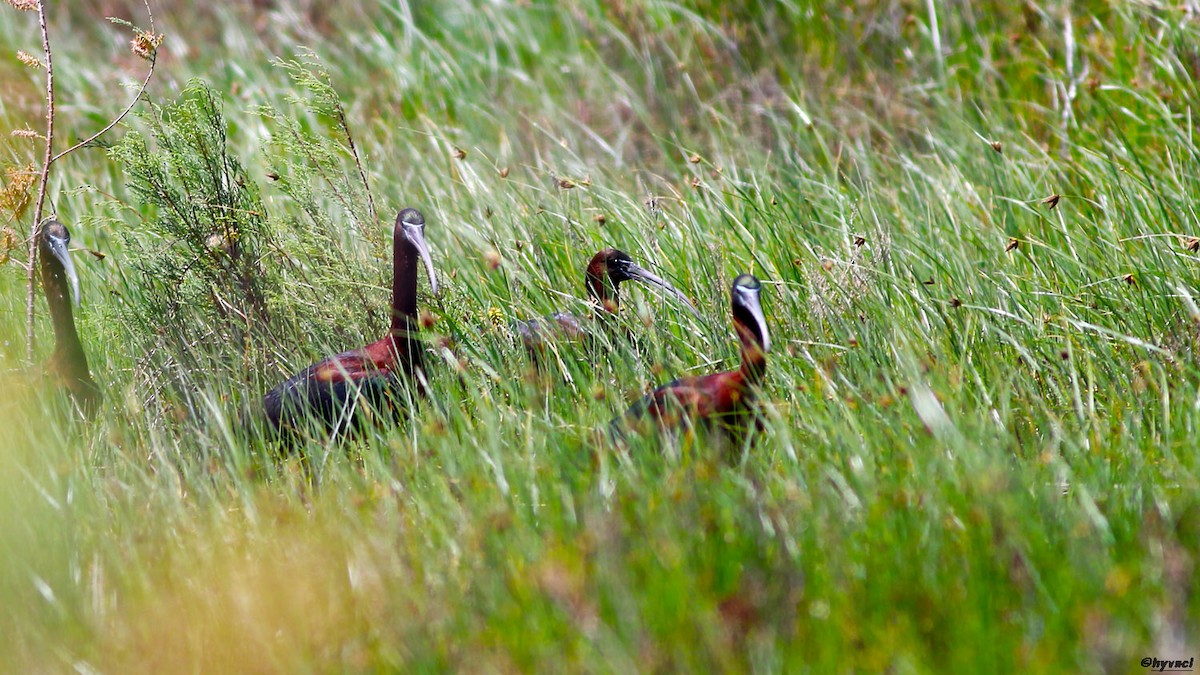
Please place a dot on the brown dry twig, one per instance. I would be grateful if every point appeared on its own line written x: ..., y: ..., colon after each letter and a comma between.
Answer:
x: 30, y: 272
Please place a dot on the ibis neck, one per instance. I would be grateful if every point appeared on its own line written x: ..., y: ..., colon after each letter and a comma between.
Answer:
x: 603, y: 296
x: 754, y: 365
x: 754, y: 359
x: 404, y: 286
x: 405, y: 325
x: 68, y: 359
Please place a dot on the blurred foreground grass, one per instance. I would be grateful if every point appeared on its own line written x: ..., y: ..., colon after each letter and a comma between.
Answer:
x: 980, y: 453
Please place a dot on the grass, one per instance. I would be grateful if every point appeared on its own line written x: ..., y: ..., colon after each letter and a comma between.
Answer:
x: 981, y: 408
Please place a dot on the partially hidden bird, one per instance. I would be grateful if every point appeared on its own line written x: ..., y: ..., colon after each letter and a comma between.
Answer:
x: 68, y: 366
x: 602, y: 278
x: 724, y: 403
x: 329, y: 395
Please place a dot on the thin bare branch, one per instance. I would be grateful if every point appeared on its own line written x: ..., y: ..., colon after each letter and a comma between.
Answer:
x: 116, y: 120
x: 48, y: 158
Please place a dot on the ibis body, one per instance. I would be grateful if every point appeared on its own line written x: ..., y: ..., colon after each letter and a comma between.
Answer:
x: 331, y: 392
x: 725, y: 402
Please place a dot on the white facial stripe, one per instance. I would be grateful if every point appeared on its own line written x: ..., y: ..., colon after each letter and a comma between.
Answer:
x: 749, y: 298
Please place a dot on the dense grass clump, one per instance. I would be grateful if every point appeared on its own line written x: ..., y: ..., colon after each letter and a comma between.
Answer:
x: 974, y: 222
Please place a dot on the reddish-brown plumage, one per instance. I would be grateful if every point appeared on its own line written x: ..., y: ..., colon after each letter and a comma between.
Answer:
x: 602, y: 283
x: 724, y: 402
x: 329, y: 392
x: 377, y: 359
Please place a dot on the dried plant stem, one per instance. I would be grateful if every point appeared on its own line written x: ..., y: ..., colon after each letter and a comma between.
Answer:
x: 48, y: 158
x: 116, y: 120
x: 341, y: 112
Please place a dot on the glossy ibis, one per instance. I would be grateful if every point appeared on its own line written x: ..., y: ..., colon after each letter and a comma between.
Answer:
x: 604, y: 274
x: 328, y: 392
x: 68, y: 364
x: 723, y: 402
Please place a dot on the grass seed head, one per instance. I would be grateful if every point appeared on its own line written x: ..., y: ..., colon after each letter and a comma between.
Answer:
x: 29, y: 59
x: 26, y: 133
x: 9, y: 241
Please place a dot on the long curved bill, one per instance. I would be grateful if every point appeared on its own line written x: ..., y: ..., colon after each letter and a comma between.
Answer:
x: 59, y: 248
x: 644, y: 275
x: 417, y: 237
x: 756, y: 311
